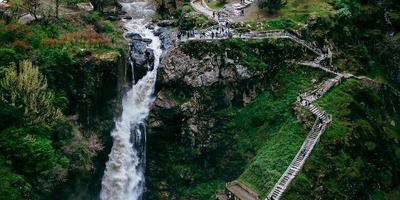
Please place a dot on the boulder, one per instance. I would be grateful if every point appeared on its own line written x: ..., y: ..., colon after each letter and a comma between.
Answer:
x: 142, y: 57
x: 165, y: 23
x: 112, y: 18
x: 150, y: 26
x: 147, y: 40
x: 167, y: 37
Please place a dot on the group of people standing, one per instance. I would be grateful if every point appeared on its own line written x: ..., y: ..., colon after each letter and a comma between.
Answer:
x: 188, y: 34
x: 219, y: 32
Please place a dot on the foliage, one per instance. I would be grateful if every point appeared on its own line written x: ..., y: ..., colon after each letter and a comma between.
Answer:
x: 87, y: 39
x: 13, y: 186
x: 347, y: 9
x: 26, y: 87
x: 8, y: 56
x: 272, y: 4
x: 76, y: 74
x: 98, y: 5
x: 32, y: 6
x: 93, y: 17
x: 111, y: 32
x: 81, y: 149
x: 216, y: 4
x: 267, y: 127
x: 256, y: 54
x: 355, y: 157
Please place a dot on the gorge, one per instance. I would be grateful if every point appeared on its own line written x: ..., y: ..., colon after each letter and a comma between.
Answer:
x: 124, y: 177
x: 126, y: 109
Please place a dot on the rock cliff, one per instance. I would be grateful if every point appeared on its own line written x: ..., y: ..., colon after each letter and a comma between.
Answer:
x: 189, y: 91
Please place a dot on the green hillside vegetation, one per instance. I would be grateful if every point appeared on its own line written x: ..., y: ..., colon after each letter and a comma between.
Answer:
x: 55, y: 83
x: 269, y: 128
x: 358, y: 157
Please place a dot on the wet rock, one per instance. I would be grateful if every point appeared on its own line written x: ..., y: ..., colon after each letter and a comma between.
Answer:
x: 142, y: 57
x: 167, y: 37
x: 112, y: 18
x: 150, y: 26
x: 134, y: 36
x: 149, y: 55
x: 147, y: 40
x: 165, y: 23
x: 138, y: 46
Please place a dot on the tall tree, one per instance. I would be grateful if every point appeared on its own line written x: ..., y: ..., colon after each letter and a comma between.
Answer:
x: 272, y: 4
x: 27, y: 88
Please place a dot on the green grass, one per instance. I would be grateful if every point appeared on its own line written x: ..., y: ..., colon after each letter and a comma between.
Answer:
x: 355, y: 156
x: 295, y: 14
x: 214, y: 4
x: 269, y: 129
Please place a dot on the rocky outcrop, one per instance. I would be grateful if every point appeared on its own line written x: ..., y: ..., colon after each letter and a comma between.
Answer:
x: 189, y: 91
x: 214, y: 80
x: 141, y: 56
x: 196, y: 87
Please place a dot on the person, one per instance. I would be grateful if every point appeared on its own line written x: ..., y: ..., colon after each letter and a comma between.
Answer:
x: 179, y: 34
x: 212, y: 35
x: 242, y: 12
x: 213, y: 14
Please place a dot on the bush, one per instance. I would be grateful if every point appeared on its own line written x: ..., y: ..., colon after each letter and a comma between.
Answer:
x: 8, y: 56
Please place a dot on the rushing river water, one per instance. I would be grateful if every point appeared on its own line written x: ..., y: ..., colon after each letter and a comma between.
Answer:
x: 124, y: 175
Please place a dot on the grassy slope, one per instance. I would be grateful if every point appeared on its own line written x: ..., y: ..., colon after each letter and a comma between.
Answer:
x: 296, y: 12
x: 269, y: 127
x: 356, y: 158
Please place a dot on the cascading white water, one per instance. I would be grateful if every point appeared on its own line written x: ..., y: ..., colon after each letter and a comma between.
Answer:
x: 124, y: 175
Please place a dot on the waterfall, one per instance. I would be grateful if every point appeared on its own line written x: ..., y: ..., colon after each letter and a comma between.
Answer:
x: 124, y: 175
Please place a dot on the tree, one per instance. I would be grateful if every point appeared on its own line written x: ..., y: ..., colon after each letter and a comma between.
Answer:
x: 26, y: 87
x: 32, y: 6
x: 98, y: 5
x: 57, y: 2
x: 272, y: 4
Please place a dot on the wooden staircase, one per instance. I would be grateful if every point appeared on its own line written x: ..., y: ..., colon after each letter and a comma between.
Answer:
x: 301, y: 156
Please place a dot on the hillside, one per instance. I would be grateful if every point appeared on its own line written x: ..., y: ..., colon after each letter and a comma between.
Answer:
x: 225, y: 108
x: 59, y: 87
x: 226, y: 138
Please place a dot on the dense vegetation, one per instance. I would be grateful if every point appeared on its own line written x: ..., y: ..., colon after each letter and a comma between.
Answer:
x: 56, y: 84
x: 357, y: 158
x: 193, y: 171
x: 58, y: 76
